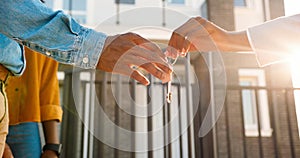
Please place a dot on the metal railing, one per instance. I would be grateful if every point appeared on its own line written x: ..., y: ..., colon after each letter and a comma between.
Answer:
x: 283, y: 140
x: 283, y: 123
x: 86, y: 145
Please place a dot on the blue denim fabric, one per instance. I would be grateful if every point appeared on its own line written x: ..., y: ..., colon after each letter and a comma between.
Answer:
x: 24, y: 140
x: 31, y: 23
x: 13, y: 58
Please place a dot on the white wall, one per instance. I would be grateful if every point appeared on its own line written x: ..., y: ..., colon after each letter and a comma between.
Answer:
x: 250, y: 15
x: 101, y: 15
x: 144, y: 13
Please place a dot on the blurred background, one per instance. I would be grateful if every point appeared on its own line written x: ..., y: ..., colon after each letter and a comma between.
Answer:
x: 261, y: 111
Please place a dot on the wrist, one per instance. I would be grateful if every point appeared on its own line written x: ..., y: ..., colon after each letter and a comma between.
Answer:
x: 225, y: 41
x: 238, y: 41
x: 50, y: 153
x: 56, y: 148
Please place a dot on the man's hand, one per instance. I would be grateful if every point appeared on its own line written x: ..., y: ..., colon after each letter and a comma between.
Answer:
x: 7, y: 152
x: 49, y: 154
x: 126, y: 53
x: 197, y: 35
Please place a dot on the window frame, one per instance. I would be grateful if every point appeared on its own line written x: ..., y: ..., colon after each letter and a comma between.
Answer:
x: 251, y: 130
x: 245, y: 3
x: 179, y: 4
x: 248, y: 4
x: 125, y: 2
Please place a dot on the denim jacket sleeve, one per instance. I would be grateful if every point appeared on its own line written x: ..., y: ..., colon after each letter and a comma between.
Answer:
x: 55, y: 34
x: 12, y: 55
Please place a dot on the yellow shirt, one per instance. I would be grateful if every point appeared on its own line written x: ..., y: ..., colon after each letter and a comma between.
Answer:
x: 34, y: 97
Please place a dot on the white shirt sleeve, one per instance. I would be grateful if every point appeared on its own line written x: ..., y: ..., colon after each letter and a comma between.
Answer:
x: 277, y: 40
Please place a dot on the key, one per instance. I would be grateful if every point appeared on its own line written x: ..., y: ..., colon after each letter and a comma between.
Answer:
x: 169, y: 86
x: 169, y: 92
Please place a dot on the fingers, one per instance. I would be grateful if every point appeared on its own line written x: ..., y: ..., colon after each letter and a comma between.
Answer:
x: 137, y: 40
x: 139, y: 77
x: 123, y: 51
x: 151, y: 53
x: 127, y: 70
x: 182, y: 39
x: 157, y: 68
x: 164, y: 67
x: 152, y: 69
x: 148, y: 56
x: 154, y: 49
x: 149, y: 67
x: 148, y: 45
x: 169, y: 53
x: 175, y: 44
x: 186, y: 47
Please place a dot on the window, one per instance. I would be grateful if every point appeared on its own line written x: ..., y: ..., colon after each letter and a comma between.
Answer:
x: 125, y: 1
x: 203, y: 10
x: 176, y: 1
x: 249, y: 102
x: 254, y: 77
x: 240, y: 3
x: 77, y: 9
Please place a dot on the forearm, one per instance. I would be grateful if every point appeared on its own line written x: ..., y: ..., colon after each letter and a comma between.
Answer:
x: 238, y: 41
x: 11, y: 55
x: 51, y: 132
x: 53, y: 33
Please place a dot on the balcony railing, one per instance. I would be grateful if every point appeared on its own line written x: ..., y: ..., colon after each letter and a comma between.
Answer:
x: 230, y: 138
x: 283, y: 140
x: 80, y: 118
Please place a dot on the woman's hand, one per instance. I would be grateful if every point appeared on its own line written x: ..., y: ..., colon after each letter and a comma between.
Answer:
x: 201, y: 35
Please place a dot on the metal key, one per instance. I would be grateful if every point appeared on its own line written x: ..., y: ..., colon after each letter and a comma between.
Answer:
x: 169, y: 86
x: 169, y: 92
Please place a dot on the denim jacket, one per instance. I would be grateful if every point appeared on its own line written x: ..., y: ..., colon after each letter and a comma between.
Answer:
x: 32, y: 24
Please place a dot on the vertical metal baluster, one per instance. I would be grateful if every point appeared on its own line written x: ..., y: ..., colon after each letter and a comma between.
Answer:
x: 188, y: 104
x: 91, y: 111
x: 169, y: 127
x: 117, y: 113
x: 70, y: 7
x: 260, y: 145
x: 149, y: 117
x: 85, y: 112
x: 243, y: 123
x: 166, y: 153
x: 103, y: 104
x: 132, y: 117
x: 179, y: 119
x: 212, y: 96
x: 117, y: 12
x: 289, y: 124
x: 272, y: 121
x: 227, y: 128
x: 163, y: 13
